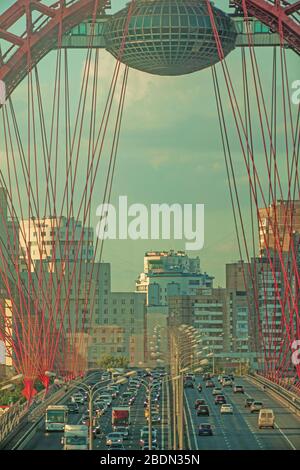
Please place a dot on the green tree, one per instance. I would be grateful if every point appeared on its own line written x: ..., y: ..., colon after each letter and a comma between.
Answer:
x: 107, y: 361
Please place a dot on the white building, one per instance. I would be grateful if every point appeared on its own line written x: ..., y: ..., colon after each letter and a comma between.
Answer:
x: 167, y: 274
x: 54, y: 239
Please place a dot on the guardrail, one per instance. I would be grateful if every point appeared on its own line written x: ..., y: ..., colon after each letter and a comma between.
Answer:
x: 37, y: 414
x: 291, y: 399
x: 21, y: 413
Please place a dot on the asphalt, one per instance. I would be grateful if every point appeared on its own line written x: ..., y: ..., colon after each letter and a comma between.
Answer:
x: 51, y: 440
x: 240, y: 431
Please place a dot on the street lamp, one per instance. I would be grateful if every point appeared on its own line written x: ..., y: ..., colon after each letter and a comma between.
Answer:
x: 92, y: 390
x: 15, y: 378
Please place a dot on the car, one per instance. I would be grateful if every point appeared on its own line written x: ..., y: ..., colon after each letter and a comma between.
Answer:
x: 145, y: 439
x: 126, y: 397
x: 155, y: 418
x: 131, y: 400
x: 154, y: 446
x: 209, y: 384
x: 231, y: 376
x: 96, y: 431
x: 238, y: 389
x: 266, y: 418
x: 107, y: 398
x: 224, y: 377
x: 100, y: 406
x: 205, y: 429
x: 113, y: 438
x: 226, y: 408
x: 78, y: 398
x: 217, y: 391
x: 220, y: 400
x: 105, y: 376
x: 248, y: 402
x: 199, y: 401
x: 227, y: 383
x: 116, y: 446
x: 123, y: 430
x: 188, y: 383
x: 73, y: 407
x: 85, y: 419
x: 203, y: 410
x: 190, y: 377
x: 256, y: 406
x: 145, y: 430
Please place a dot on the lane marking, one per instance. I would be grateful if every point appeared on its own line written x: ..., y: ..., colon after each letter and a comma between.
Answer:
x: 191, y: 421
x: 273, y: 395
x: 285, y: 436
x: 169, y: 417
x: 163, y: 417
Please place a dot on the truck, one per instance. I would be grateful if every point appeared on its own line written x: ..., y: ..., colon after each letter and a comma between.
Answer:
x: 56, y: 417
x: 76, y: 437
x: 120, y: 416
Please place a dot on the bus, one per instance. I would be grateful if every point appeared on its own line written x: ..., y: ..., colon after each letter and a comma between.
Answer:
x: 76, y: 437
x: 56, y: 417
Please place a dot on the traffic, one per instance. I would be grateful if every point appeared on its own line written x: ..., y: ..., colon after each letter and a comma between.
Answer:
x: 101, y: 415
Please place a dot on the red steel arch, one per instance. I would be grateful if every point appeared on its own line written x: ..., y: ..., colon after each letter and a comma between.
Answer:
x: 59, y: 18
x: 63, y: 15
x: 277, y: 15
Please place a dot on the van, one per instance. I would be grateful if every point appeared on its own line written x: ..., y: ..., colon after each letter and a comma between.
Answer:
x: 266, y: 418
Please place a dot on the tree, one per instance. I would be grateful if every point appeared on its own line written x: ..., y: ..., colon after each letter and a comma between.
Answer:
x: 107, y: 361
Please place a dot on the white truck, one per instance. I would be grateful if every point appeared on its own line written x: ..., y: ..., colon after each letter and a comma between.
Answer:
x: 76, y: 437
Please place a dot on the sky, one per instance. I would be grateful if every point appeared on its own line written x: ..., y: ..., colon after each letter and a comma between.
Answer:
x: 169, y: 152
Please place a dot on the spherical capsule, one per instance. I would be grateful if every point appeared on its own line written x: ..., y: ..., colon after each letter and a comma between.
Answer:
x: 169, y: 37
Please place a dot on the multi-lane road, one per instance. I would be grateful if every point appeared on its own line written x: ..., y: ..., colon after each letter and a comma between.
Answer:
x: 238, y: 431
x: 52, y: 440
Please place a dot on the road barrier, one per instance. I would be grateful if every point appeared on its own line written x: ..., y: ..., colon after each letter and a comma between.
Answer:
x: 36, y: 415
x: 19, y: 414
x: 291, y: 399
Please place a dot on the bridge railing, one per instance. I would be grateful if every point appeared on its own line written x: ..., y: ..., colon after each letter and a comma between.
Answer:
x: 11, y: 419
x: 34, y: 414
x: 290, y: 398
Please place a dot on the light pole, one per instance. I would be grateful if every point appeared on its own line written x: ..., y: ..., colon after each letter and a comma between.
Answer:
x: 10, y: 384
x: 184, y: 340
x: 11, y: 381
x: 92, y: 390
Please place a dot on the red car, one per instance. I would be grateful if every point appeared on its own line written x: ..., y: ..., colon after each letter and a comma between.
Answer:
x: 220, y: 400
x: 209, y: 384
x: 199, y: 402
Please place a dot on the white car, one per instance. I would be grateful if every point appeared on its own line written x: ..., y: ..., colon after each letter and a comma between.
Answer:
x: 226, y: 408
x: 106, y: 398
x: 114, y: 438
x: 227, y: 383
x: 217, y: 391
x: 77, y: 398
x: 123, y: 430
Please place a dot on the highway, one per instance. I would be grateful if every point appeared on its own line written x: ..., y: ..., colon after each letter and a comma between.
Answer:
x: 239, y: 431
x: 51, y: 440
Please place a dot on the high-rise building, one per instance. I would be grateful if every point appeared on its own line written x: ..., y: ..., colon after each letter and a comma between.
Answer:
x: 277, y: 223
x: 239, y: 327
x: 167, y: 274
x: 54, y: 239
x: 117, y: 310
